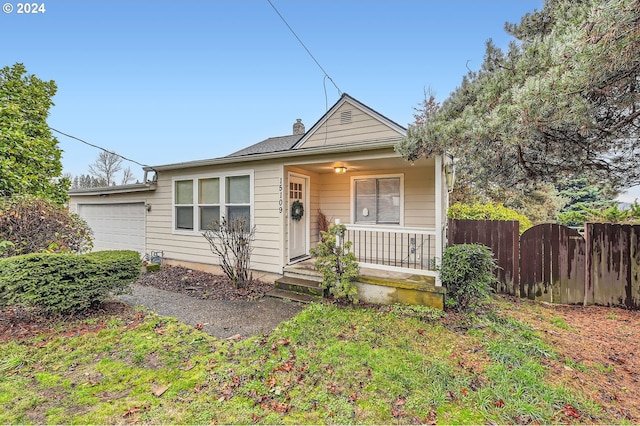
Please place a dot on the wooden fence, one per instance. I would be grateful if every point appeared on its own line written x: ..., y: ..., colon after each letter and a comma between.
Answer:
x: 613, y: 265
x: 553, y: 263
x: 501, y: 236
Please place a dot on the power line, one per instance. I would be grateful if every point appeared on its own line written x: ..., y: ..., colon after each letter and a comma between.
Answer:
x: 99, y: 147
x: 305, y: 48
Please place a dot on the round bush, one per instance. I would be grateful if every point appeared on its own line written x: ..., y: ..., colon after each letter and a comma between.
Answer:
x: 59, y: 283
x: 467, y: 270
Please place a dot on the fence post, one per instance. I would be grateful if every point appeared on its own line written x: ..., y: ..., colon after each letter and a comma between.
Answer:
x: 587, y: 264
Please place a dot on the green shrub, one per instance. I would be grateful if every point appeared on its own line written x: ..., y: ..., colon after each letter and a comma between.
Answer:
x: 337, y: 263
x: 33, y: 225
x: 610, y: 214
x: 467, y: 270
x: 66, y: 283
x: 488, y: 211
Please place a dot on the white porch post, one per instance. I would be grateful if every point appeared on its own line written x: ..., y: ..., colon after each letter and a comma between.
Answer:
x: 439, y: 210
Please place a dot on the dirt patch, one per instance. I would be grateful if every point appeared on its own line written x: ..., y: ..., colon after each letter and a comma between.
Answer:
x: 202, y: 285
x: 598, y: 348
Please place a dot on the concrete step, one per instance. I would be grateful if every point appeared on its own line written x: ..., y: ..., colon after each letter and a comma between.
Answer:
x: 299, y: 285
x: 296, y: 297
x: 303, y: 274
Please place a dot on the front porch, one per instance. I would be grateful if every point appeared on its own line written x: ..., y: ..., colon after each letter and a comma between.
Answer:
x: 301, y: 281
x: 394, y: 250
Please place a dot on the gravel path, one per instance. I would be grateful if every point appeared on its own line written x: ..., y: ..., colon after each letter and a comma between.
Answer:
x: 219, y: 318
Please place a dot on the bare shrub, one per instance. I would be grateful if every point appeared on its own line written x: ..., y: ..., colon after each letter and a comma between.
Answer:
x: 231, y: 241
x: 34, y: 225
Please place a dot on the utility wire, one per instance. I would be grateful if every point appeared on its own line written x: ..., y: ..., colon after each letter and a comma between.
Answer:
x: 305, y: 48
x: 101, y: 148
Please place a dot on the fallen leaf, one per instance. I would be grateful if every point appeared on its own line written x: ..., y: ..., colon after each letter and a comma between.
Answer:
x: 353, y: 397
x: 420, y: 332
x: 158, y: 390
x: 397, y: 413
x: 199, y: 326
x: 401, y: 401
x: 433, y: 418
x: 234, y: 337
x: 272, y: 382
x: 499, y: 403
x: 133, y: 410
x: 464, y: 392
x: 187, y: 367
x: 284, y: 342
x: 570, y: 411
x: 279, y: 407
x: 255, y: 418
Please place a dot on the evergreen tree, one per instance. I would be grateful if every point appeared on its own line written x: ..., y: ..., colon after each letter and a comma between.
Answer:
x: 30, y: 159
x: 562, y: 102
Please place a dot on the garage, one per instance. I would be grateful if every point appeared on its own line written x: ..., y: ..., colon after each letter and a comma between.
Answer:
x: 116, y: 226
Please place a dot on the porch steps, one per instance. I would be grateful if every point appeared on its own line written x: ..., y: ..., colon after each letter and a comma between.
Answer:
x: 290, y: 295
x: 297, y: 289
x: 305, y: 273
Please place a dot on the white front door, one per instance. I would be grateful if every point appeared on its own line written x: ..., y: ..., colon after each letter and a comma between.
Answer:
x: 298, y: 217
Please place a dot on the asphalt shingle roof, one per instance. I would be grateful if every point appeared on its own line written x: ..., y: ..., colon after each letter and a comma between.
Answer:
x: 275, y: 144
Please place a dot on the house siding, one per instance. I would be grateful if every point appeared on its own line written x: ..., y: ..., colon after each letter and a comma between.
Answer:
x: 361, y: 127
x: 192, y: 247
x: 419, y: 195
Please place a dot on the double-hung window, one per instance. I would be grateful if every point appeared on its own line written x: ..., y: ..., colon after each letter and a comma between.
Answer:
x: 377, y: 200
x: 184, y: 204
x: 200, y: 201
x: 238, y: 198
x: 208, y: 201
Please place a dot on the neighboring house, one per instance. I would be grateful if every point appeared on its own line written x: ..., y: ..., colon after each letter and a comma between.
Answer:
x: 344, y: 166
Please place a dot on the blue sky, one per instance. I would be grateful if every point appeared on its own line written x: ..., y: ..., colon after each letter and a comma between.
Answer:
x: 170, y: 81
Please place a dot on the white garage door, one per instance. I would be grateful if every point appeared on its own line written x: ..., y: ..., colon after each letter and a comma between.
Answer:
x: 115, y: 226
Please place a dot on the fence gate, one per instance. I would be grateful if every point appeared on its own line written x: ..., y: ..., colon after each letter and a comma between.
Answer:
x: 552, y: 264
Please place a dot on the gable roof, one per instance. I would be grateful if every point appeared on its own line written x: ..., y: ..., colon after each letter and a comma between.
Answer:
x: 292, y: 145
x: 344, y: 99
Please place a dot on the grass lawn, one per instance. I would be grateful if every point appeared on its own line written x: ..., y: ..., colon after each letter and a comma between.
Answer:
x: 329, y: 364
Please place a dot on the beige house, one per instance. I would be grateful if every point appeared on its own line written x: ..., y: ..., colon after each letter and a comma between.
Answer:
x: 344, y: 166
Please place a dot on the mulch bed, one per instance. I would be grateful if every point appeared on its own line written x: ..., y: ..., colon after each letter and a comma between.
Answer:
x: 202, y: 285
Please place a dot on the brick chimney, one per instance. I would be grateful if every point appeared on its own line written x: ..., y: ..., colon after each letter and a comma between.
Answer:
x: 298, y: 127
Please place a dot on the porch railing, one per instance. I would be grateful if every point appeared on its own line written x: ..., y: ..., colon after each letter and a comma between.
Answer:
x: 402, y: 249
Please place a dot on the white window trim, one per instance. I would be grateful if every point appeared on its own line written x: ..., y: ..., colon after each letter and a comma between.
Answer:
x: 223, y: 192
x: 352, y: 199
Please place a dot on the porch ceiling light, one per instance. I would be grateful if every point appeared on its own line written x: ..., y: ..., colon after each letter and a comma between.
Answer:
x: 340, y: 169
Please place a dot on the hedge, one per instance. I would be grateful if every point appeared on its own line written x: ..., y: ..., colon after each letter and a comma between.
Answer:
x: 66, y: 283
x: 488, y: 211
